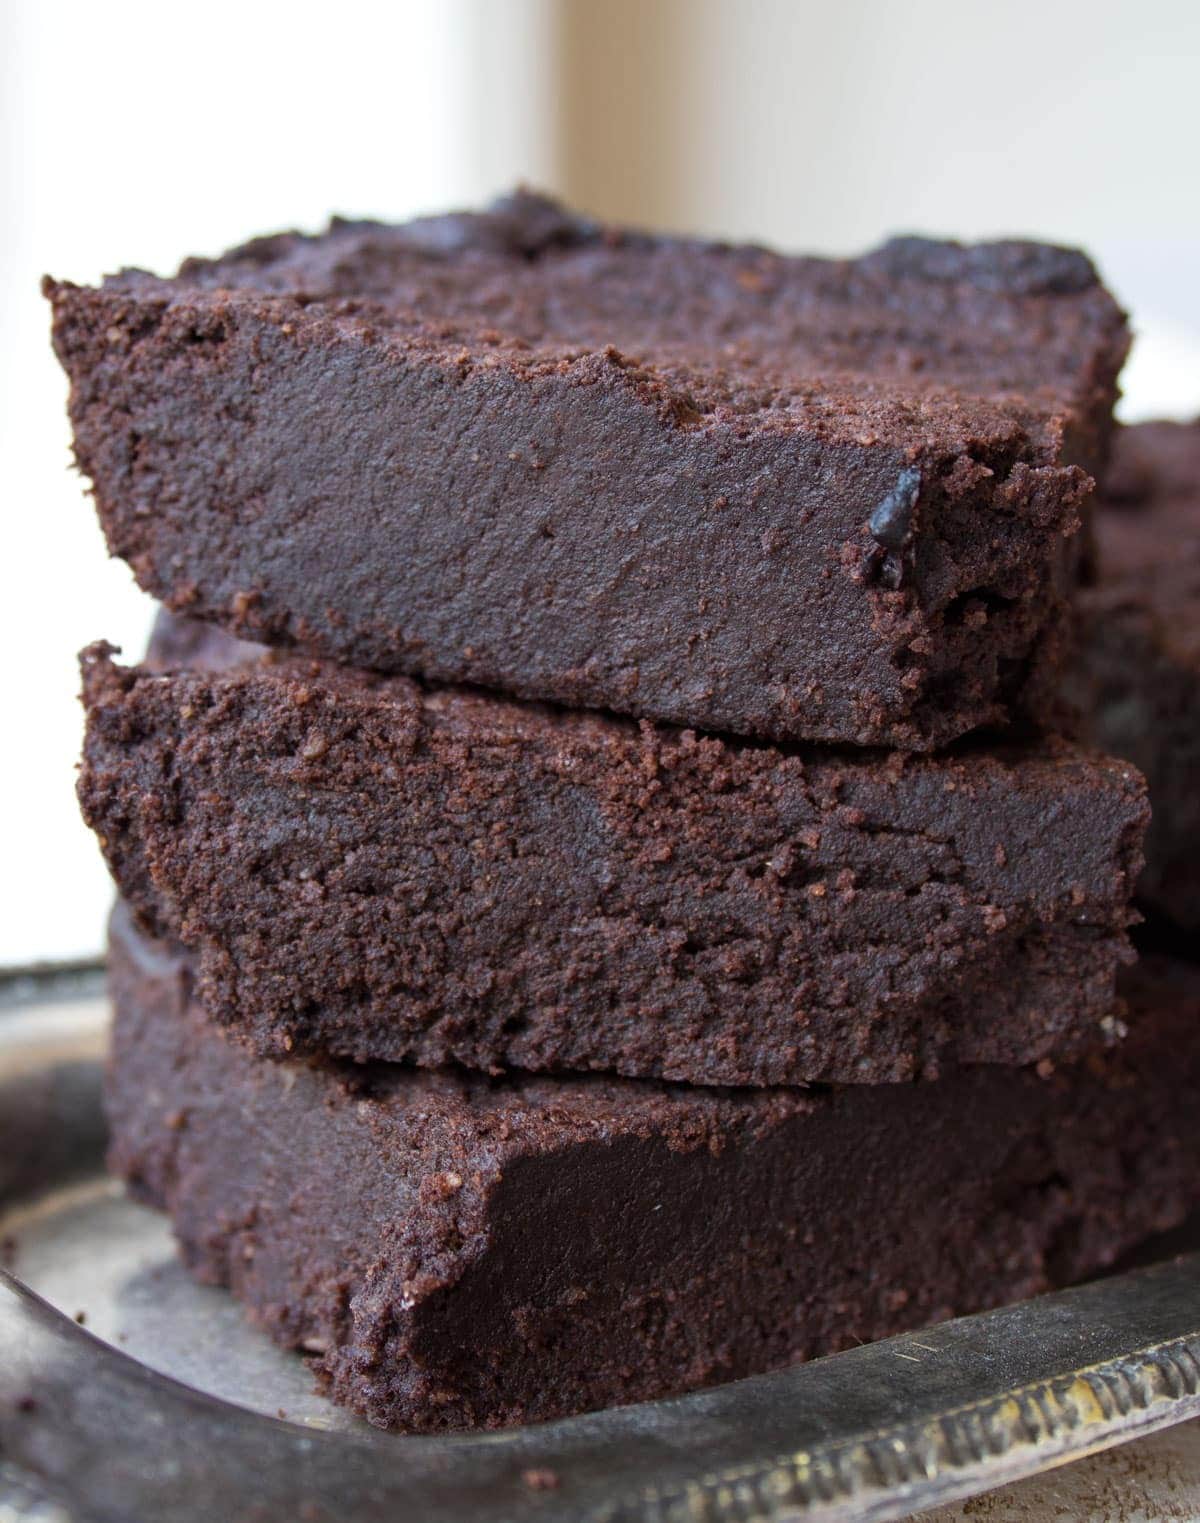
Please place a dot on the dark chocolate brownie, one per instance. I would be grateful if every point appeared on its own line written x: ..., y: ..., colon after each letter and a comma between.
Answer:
x: 457, y: 1250
x: 783, y: 497
x: 1137, y: 681
x: 374, y: 871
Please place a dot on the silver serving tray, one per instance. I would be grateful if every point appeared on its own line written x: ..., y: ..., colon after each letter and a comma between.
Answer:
x: 127, y: 1392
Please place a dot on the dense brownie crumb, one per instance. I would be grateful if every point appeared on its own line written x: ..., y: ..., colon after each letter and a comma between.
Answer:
x: 1137, y: 681
x: 785, y: 497
x: 376, y: 871
x: 455, y: 1251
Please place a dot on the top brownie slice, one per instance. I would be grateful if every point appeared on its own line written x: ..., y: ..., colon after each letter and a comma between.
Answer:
x: 793, y: 498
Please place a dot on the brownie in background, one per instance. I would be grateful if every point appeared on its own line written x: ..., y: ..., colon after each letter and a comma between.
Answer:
x: 1137, y: 680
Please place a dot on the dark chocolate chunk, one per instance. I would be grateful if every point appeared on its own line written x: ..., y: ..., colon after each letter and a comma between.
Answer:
x: 891, y: 522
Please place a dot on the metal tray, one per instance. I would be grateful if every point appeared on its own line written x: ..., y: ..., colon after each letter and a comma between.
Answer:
x: 127, y: 1392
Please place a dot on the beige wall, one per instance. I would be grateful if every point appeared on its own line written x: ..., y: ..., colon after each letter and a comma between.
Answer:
x: 829, y: 124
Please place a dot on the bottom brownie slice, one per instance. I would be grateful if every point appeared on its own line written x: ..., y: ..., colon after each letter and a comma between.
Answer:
x: 459, y: 1250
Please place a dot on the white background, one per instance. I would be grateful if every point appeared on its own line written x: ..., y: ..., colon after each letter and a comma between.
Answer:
x: 136, y: 133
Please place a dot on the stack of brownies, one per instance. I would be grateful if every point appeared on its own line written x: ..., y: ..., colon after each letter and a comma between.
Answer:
x: 605, y: 908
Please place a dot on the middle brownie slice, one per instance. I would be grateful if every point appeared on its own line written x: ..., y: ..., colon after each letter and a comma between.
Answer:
x: 368, y: 869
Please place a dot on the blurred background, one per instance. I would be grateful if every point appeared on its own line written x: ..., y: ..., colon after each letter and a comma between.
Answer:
x: 137, y: 133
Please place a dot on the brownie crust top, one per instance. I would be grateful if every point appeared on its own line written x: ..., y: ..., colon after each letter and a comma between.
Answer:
x: 910, y: 340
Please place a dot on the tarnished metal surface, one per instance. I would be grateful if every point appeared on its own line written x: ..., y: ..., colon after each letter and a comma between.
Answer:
x: 877, y: 1432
